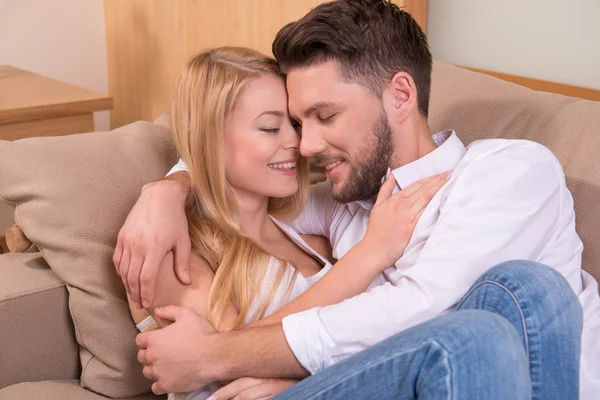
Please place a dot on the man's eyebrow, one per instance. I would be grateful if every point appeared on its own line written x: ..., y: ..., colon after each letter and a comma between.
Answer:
x: 312, y: 109
x: 316, y: 106
x: 275, y: 113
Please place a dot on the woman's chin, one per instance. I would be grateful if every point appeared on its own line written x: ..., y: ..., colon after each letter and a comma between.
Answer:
x: 281, y: 192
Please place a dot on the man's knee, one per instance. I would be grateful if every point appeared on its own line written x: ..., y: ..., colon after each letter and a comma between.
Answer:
x: 533, y: 287
x: 482, y: 342
x: 530, y: 276
x: 530, y: 270
x: 477, y: 328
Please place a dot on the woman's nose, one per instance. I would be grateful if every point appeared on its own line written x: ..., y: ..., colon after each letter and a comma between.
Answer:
x: 291, y: 139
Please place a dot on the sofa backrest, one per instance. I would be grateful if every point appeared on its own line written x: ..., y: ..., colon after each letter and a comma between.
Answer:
x: 479, y: 106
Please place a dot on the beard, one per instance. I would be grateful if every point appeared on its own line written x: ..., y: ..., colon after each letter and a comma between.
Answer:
x: 364, y: 179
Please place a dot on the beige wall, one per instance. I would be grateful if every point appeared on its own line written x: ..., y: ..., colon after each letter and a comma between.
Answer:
x: 551, y: 40
x: 62, y: 39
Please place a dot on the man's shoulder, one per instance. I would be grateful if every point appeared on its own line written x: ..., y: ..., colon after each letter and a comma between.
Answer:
x: 510, y: 151
x: 499, y: 167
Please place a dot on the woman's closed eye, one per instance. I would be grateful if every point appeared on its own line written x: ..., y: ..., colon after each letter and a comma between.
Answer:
x: 270, y: 131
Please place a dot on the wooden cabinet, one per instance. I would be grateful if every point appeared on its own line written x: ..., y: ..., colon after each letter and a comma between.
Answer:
x: 34, y: 105
x: 148, y: 40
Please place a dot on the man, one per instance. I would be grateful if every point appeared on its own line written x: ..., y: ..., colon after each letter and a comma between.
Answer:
x: 358, y: 77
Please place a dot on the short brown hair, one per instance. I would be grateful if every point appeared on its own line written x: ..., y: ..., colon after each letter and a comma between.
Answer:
x: 372, y: 40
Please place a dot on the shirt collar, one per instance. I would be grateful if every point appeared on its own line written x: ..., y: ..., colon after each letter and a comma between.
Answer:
x: 445, y: 157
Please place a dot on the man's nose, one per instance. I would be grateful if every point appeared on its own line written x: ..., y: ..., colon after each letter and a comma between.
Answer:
x: 311, y: 143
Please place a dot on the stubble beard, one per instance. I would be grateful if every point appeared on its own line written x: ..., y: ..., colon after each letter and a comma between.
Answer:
x: 364, y: 180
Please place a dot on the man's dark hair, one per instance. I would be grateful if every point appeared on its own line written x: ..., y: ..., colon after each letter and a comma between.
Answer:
x: 372, y: 40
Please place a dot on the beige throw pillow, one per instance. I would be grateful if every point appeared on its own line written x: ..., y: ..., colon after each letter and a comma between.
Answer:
x: 72, y: 195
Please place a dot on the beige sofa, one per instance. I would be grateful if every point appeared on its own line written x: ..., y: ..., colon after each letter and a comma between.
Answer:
x: 64, y: 326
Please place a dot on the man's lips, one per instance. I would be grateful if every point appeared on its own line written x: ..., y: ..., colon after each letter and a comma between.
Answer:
x: 328, y: 161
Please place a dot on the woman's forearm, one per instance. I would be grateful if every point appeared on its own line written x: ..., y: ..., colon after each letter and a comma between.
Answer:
x: 350, y: 276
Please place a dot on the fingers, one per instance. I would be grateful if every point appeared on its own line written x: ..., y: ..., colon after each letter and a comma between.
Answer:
x: 267, y: 389
x: 142, y: 357
x: 386, y: 189
x: 422, y: 196
x: 412, y: 188
x: 182, y: 261
x: 170, y: 313
x: 117, y: 255
x: 158, y: 388
x: 419, y: 205
x: 149, y: 271
x: 430, y: 189
x: 434, y: 182
x: 256, y: 392
x: 133, y: 276
x: 417, y: 216
x: 124, y: 270
x: 141, y: 340
x: 439, y: 181
x: 147, y: 371
x: 231, y: 390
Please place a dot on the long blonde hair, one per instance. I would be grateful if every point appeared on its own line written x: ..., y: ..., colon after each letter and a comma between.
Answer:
x: 206, y: 92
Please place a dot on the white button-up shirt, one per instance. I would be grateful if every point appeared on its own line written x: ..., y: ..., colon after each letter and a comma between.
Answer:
x: 506, y: 200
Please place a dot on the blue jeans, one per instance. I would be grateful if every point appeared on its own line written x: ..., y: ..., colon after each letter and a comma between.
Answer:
x: 515, y: 335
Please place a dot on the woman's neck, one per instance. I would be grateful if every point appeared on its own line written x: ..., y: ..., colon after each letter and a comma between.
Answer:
x: 253, y: 216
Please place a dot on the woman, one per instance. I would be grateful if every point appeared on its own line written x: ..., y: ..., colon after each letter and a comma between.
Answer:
x: 232, y: 129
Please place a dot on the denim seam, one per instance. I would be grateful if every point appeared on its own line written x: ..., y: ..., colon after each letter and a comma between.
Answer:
x: 523, y: 320
x: 446, y: 362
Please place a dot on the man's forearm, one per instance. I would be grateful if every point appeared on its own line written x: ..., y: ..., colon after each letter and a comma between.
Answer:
x: 261, y: 352
x: 177, y: 181
x: 181, y: 177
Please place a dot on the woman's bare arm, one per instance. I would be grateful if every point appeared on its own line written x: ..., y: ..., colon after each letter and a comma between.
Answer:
x: 169, y: 290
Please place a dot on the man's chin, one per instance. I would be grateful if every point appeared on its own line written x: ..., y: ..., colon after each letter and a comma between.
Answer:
x: 337, y: 192
x: 340, y: 194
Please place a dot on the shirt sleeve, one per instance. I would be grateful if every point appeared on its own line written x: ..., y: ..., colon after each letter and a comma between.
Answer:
x: 180, y: 166
x: 321, y: 212
x: 505, y: 206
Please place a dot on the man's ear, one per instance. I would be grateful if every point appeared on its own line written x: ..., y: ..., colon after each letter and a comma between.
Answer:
x: 400, y: 97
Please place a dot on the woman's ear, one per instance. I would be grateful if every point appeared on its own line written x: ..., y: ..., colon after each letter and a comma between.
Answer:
x: 400, y: 97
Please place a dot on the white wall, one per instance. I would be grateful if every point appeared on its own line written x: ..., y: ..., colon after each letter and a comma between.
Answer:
x: 545, y: 39
x: 62, y: 39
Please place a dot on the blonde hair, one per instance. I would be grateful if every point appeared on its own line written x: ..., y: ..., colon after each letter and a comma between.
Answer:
x: 206, y: 93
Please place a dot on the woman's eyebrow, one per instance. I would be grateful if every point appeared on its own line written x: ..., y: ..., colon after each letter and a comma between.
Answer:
x: 275, y: 113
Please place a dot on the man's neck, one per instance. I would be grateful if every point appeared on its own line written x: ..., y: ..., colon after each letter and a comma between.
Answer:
x: 413, y: 143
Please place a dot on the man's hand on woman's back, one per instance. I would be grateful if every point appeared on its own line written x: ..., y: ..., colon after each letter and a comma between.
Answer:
x: 155, y: 225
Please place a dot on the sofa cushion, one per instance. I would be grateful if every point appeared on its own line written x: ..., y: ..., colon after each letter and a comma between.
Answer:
x: 55, y: 390
x: 37, y: 340
x: 72, y: 195
x: 479, y: 106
